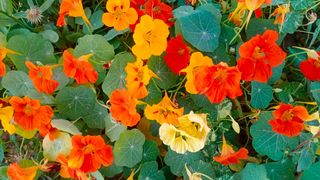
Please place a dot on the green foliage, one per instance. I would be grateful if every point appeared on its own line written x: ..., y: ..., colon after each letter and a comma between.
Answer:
x: 17, y: 83
x: 283, y: 169
x: 253, y: 172
x: 261, y: 95
x: 149, y: 170
x: 150, y: 151
x: 312, y: 173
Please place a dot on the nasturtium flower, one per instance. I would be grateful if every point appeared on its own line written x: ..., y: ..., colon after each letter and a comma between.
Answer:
x: 164, y: 112
x: 289, y: 120
x: 218, y: 82
x: 259, y: 55
x: 16, y: 172
x: 41, y: 77
x: 159, y: 10
x: 237, y: 15
x: 68, y: 172
x: 189, y: 135
x: 88, y: 153
x: 3, y: 53
x: 177, y: 54
x: 123, y: 107
x: 280, y: 13
x: 120, y: 15
x: 229, y: 156
x: 29, y: 114
x: 150, y: 37
x: 6, y: 114
x: 313, y: 129
x: 71, y: 8
x: 138, y: 77
x: 79, y: 68
x: 310, y: 68
x: 196, y: 60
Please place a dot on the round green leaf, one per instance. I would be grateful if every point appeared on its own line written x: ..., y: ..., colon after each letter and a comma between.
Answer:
x: 75, y: 102
x: 17, y: 83
x: 97, y: 117
x: 312, y: 173
x: 259, y: 26
x: 60, y: 145
x: 59, y: 76
x: 155, y: 94
x: 283, y: 170
x: 150, y: 151
x: 149, y: 170
x: 261, y: 95
x: 66, y: 126
x: 116, y: 76
x: 291, y: 22
x: 128, y: 148
x: 113, y: 129
x: 31, y: 47
x: 254, y: 172
x: 51, y: 35
x: 167, y: 78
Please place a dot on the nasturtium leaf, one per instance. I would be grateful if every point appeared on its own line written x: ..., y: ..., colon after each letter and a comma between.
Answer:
x: 3, y: 172
x: 61, y: 144
x: 254, y: 172
x: 167, y: 78
x: 30, y: 47
x: 113, y: 129
x: 276, y: 73
x: 261, y: 95
x: 112, y: 33
x: 200, y: 167
x: 312, y: 173
x: 283, y: 170
x: 155, y: 94
x: 50, y: 35
x: 1, y: 151
x: 199, y: 31
x: 43, y: 98
x: 301, y: 4
x: 111, y: 171
x: 95, y: 19
x: 182, y: 11
x: 267, y: 142
x: 59, y: 76
x: 97, y: 175
x: 291, y: 22
x: 149, y: 170
x: 75, y: 102
x: 17, y: 83
x: 259, y: 26
x: 150, y: 151
x: 97, y: 45
x: 296, y: 56
x: 177, y: 161
x: 97, y: 117
x: 128, y: 148
x: 306, y: 158
x: 315, y: 91
x: 25, y: 133
x: 116, y: 76
x: 65, y: 125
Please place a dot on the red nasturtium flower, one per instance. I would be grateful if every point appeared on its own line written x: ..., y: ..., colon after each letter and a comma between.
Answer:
x: 71, y: 8
x: 288, y: 120
x: 229, y: 156
x: 41, y: 77
x: 177, y: 54
x: 67, y: 172
x: 310, y: 68
x: 29, y: 114
x: 15, y: 172
x: 123, y: 107
x: 218, y: 82
x: 159, y: 10
x: 259, y: 55
x: 88, y: 153
x: 80, y: 69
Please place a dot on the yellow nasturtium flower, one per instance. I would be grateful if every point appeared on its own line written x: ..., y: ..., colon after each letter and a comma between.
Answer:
x: 120, y: 15
x: 138, y: 76
x: 150, y: 37
x: 196, y: 60
x: 6, y: 114
x: 164, y: 112
x: 314, y: 129
x: 190, y: 135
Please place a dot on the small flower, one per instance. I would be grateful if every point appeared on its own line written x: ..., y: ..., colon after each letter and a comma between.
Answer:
x: 196, y: 61
x: 119, y: 14
x: 310, y: 68
x: 88, y: 153
x: 289, y: 120
x: 259, y: 55
x: 123, y: 107
x: 150, y: 37
x: 237, y: 15
x: 41, y: 77
x: 138, y: 77
x: 280, y: 13
x: 34, y: 15
x: 229, y: 156
x: 79, y: 68
x: 6, y: 114
x: 177, y: 54
x: 16, y: 172
x: 164, y: 112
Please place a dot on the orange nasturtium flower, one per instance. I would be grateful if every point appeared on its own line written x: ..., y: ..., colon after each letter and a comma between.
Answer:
x: 71, y: 8
x: 79, y: 68
x: 41, y: 77
x: 120, y: 15
x: 150, y: 37
x: 67, y: 172
x: 88, y: 153
x: 259, y: 55
x: 289, y: 120
x: 197, y: 60
x: 123, y: 107
x: 15, y: 172
x: 3, y: 53
x: 218, y: 82
x: 237, y: 15
x: 29, y: 114
x: 280, y: 13
x: 164, y: 112
x: 229, y: 156
x: 310, y: 68
x: 138, y: 76
x: 6, y: 114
